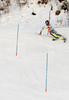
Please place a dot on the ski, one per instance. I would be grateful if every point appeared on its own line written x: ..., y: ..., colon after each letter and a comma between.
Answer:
x: 65, y: 40
x: 54, y: 39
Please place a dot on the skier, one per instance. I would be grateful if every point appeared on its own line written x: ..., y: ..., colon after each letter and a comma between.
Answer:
x: 52, y: 32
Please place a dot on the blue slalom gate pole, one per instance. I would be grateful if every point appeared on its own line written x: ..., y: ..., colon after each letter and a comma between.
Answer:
x: 17, y: 39
x: 46, y: 71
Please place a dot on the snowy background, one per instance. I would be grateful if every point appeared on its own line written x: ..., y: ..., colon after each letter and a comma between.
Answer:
x: 23, y: 77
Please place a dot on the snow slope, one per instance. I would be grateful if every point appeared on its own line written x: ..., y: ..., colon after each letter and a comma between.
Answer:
x: 24, y: 76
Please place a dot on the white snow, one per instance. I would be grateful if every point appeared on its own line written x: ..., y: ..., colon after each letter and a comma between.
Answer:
x: 23, y: 77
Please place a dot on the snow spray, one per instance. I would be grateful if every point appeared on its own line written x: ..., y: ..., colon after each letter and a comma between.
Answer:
x: 46, y: 71
x: 17, y: 39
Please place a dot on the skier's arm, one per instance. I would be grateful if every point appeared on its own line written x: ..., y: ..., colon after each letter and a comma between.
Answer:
x: 49, y: 27
x: 42, y: 30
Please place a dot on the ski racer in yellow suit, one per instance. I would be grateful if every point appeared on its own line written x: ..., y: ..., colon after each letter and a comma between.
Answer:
x: 52, y: 32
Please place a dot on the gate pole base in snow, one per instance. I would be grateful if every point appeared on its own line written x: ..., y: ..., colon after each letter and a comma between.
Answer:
x: 45, y: 90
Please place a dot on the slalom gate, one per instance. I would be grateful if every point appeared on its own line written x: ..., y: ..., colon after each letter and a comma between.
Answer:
x: 46, y: 71
x: 17, y: 39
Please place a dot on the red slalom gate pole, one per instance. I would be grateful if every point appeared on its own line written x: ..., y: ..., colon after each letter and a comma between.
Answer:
x: 59, y: 27
x: 49, y: 23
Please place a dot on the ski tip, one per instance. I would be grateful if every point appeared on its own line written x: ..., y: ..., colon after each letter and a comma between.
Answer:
x: 65, y: 40
x: 53, y: 39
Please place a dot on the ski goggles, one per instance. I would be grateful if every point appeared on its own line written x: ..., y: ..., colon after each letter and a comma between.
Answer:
x: 46, y: 23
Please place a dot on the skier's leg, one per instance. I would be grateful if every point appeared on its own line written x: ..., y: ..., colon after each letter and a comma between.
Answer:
x: 40, y: 33
x: 54, y: 35
x: 61, y: 37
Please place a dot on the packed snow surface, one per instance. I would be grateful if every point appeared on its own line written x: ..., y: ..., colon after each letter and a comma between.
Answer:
x: 23, y: 77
